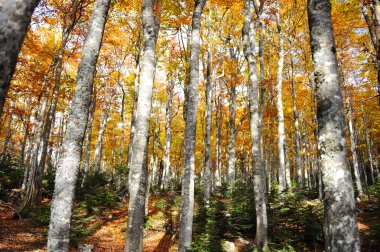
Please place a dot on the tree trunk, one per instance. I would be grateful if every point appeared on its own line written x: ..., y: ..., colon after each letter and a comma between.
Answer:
x: 32, y: 196
x: 168, y: 135
x: 90, y: 123
x: 69, y: 162
x: 353, y: 148
x: 122, y: 139
x: 296, y: 129
x: 279, y: 105
x: 23, y: 144
x: 341, y: 231
x: 287, y: 166
x: 192, y: 93
x: 29, y: 149
x: 154, y: 156
x: 249, y: 37
x: 208, y: 95
x: 134, y: 108
x: 218, y: 153
x: 139, y: 147
x: 376, y: 19
x: 99, y: 142
x: 232, y: 141
x: 368, y: 147
x: 15, y: 17
x: 58, y: 68
x: 7, y: 137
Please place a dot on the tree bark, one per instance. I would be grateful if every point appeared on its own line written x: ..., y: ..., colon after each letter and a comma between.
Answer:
x: 376, y: 19
x: 69, y: 162
x: 279, y: 105
x: 249, y: 37
x: 208, y: 95
x: 355, y: 161
x: 218, y: 152
x: 231, y: 175
x: 368, y: 147
x: 296, y: 129
x: 15, y: 17
x: 7, y: 137
x: 57, y: 72
x: 168, y: 135
x: 192, y: 93
x: 134, y: 108
x: 90, y: 123
x: 23, y: 144
x: 341, y: 231
x: 99, y: 142
x: 139, y: 147
x: 32, y: 196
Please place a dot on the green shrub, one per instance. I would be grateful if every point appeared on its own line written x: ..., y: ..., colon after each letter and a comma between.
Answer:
x: 10, y: 175
x: 40, y: 216
x: 295, y: 221
x: 241, y: 208
x: 100, y: 200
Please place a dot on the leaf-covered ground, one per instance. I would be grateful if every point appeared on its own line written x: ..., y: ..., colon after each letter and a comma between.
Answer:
x: 107, y: 230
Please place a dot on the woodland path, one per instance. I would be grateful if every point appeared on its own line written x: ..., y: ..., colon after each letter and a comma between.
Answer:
x: 23, y: 235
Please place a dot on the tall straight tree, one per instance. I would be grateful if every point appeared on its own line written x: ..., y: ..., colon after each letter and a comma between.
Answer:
x: 249, y: 39
x: 139, y: 147
x: 192, y: 97
x: 15, y: 17
x: 280, y: 108
x: 208, y: 119
x: 341, y: 231
x: 68, y: 164
x: 168, y: 134
x: 296, y: 128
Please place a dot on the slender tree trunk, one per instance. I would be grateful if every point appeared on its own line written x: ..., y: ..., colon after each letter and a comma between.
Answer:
x: 122, y: 140
x: 232, y: 141
x: 279, y: 105
x: 32, y: 196
x: 29, y: 150
x: 296, y: 129
x: 341, y: 231
x: 218, y: 152
x: 353, y: 148
x: 249, y: 37
x: 168, y: 135
x: 7, y: 137
x: 99, y: 142
x: 192, y: 93
x: 15, y: 17
x: 134, y: 108
x: 90, y: 123
x: 23, y: 144
x: 208, y: 94
x: 154, y: 156
x: 287, y: 165
x: 368, y: 147
x: 57, y: 72
x: 69, y: 162
x: 376, y: 19
x: 139, y: 147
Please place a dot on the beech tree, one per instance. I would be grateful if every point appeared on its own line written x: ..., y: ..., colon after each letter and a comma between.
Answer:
x: 341, y: 230
x: 15, y: 16
x: 249, y: 37
x: 191, y: 110
x: 68, y: 164
x: 139, y: 147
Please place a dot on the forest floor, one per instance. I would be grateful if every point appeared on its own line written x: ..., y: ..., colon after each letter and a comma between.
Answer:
x: 160, y: 234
